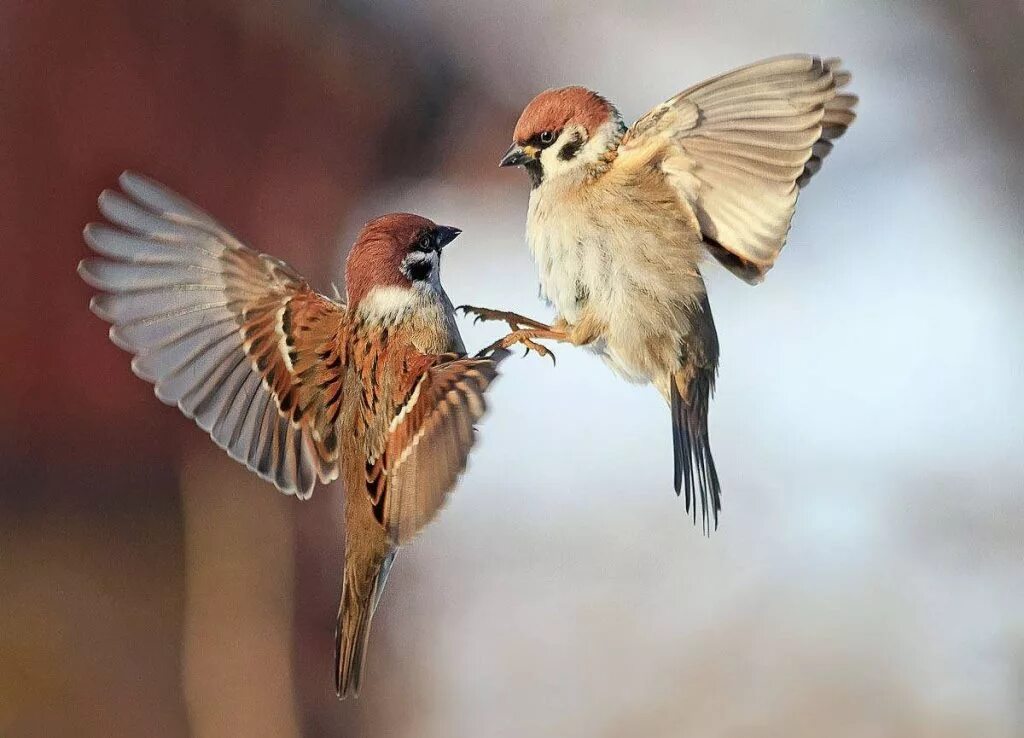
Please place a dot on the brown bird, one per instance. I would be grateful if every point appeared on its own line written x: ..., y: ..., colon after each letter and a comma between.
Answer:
x: 294, y: 384
x: 620, y: 219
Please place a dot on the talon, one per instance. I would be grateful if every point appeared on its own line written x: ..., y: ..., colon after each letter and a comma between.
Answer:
x: 515, y: 321
x: 486, y: 351
x: 526, y: 336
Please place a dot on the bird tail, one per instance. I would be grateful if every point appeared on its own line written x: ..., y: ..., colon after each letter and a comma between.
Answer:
x: 689, y: 396
x: 360, y: 595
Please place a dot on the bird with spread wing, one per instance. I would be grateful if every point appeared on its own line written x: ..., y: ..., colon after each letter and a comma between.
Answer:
x: 620, y: 219
x: 296, y: 385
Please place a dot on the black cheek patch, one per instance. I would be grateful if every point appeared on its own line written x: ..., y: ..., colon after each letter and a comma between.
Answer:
x: 572, y: 148
x: 419, y: 270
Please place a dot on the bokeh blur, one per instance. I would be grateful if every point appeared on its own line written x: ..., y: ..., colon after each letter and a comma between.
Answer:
x: 868, y: 576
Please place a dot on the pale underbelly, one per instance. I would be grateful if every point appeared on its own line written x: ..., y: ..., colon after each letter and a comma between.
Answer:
x: 641, y: 318
x: 626, y: 344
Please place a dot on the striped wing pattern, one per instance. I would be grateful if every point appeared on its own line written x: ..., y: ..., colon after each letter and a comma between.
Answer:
x: 236, y: 339
x: 428, y: 439
x: 739, y: 147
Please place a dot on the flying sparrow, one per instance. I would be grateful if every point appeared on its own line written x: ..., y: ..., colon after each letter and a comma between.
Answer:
x: 294, y: 384
x: 620, y: 219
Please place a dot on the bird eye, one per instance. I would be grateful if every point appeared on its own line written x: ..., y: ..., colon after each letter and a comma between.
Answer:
x: 547, y: 137
x: 425, y: 243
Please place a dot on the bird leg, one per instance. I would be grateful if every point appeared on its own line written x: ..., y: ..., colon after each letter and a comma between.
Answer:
x: 524, y: 330
x: 587, y: 330
x: 515, y: 321
x: 526, y: 336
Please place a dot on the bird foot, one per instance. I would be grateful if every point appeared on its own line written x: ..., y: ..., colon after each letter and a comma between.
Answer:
x: 525, y: 337
x: 515, y: 321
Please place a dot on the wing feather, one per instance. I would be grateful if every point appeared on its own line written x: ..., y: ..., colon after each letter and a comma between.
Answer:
x: 738, y: 147
x: 230, y: 336
x: 430, y: 438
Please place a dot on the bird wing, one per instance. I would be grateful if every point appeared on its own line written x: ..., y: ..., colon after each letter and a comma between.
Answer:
x: 234, y: 338
x: 428, y: 440
x: 738, y: 148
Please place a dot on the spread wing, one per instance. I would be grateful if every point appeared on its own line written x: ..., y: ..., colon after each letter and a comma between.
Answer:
x: 429, y: 439
x: 737, y: 148
x: 234, y: 338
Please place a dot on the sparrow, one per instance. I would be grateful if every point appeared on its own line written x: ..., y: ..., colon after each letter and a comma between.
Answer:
x: 296, y: 385
x: 620, y: 220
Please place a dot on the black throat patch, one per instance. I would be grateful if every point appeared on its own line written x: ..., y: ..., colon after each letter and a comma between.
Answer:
x: 536, y: 172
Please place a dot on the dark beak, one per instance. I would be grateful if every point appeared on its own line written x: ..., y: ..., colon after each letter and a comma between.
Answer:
x: 445, y: 235
x: 514, y: 157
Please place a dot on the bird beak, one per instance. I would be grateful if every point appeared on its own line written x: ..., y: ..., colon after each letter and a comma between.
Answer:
x: 517, y: 156
x: 445, y: 235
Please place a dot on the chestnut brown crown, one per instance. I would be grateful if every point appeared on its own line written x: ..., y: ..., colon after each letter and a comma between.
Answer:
x: 382, y: 246
x: 552, y: 110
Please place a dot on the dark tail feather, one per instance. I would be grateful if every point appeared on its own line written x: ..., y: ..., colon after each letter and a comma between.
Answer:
x: 694, y: 466
x: 358, y: 604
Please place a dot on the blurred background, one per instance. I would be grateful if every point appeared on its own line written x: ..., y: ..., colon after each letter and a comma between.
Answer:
x: 868, y: 576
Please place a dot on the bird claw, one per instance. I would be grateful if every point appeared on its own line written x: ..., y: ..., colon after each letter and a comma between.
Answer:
x: 525, y: 338
x: 515, y: 321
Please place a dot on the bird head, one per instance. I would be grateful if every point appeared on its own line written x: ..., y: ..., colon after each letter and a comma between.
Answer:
x: 395, y: 263
x: 563, y: 131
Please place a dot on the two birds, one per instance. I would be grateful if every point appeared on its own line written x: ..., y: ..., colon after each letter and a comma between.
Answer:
x: 378, y: 390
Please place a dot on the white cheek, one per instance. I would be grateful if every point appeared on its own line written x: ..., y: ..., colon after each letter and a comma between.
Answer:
x: 415, y: 262
x: 429, y: 286
x: 606, y: 137
x: 551, y: 161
